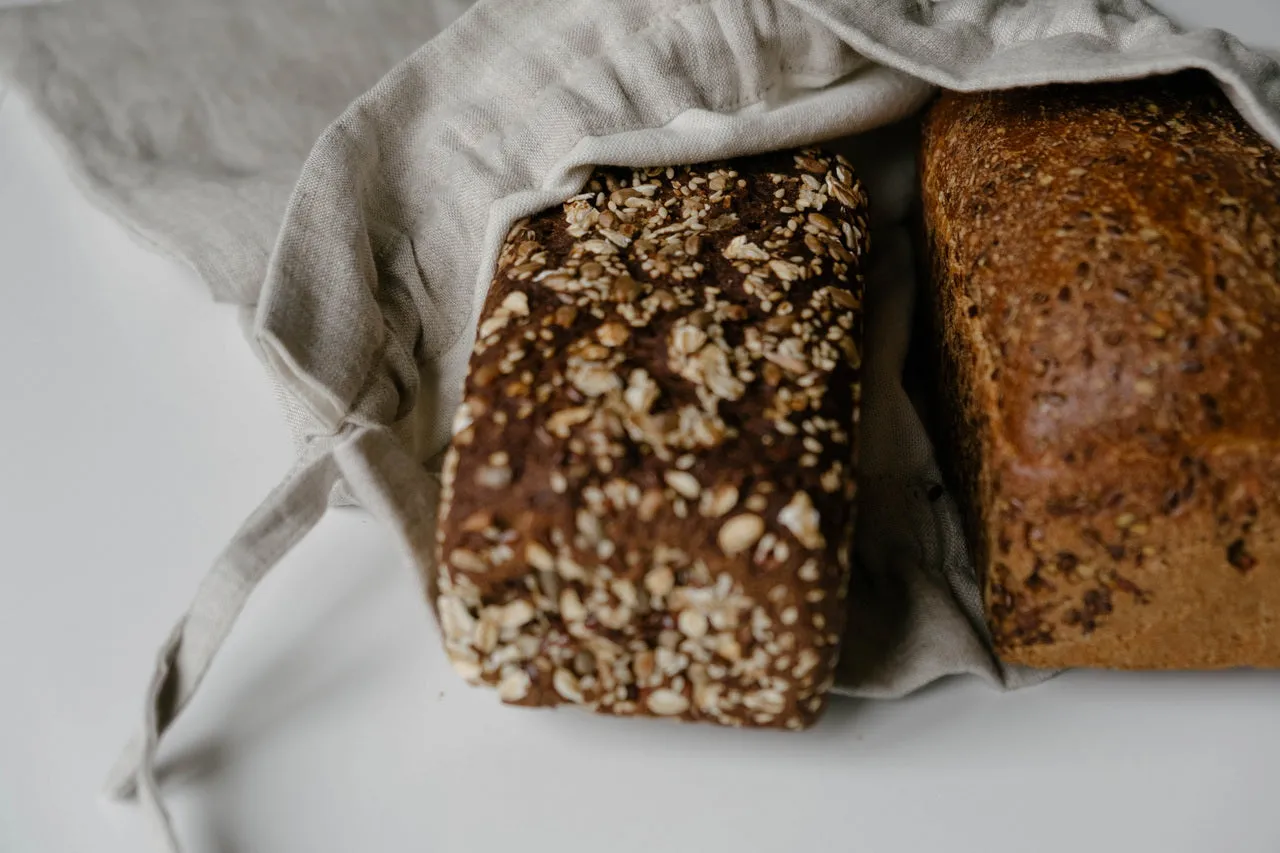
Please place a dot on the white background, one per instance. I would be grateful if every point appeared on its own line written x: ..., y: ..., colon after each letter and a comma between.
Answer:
x: 136, y: 432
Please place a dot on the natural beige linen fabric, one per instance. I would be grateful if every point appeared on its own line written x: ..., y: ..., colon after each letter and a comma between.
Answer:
x: 190, y: 119
x: 389, y: 237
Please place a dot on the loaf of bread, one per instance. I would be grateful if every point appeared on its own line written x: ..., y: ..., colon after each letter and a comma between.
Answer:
x: 648, y: 500
x: 1105, y: 261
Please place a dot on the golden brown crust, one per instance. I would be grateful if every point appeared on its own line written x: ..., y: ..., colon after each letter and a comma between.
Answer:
x: 1106, y: 260
x: 648, y: 499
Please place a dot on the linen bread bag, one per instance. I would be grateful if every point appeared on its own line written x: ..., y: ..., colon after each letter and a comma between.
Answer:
x: 368, y: 309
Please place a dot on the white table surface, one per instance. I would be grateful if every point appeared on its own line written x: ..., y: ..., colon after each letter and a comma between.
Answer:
x: 136, y: 432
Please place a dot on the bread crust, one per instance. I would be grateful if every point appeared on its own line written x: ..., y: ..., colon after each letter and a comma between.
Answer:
x: 1106, y: 263
x: 648, y: 498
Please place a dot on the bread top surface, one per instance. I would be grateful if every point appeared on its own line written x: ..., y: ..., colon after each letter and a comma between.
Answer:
x: 670, y: 336
x: 1118, y: 249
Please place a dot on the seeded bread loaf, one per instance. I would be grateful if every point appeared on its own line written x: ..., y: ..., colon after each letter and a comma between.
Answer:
x: 648, y: 501
x: 1106, y: 263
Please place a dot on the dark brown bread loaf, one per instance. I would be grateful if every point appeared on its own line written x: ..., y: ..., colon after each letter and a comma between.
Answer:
x: 1106, y: 263
x: 648, y: 498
